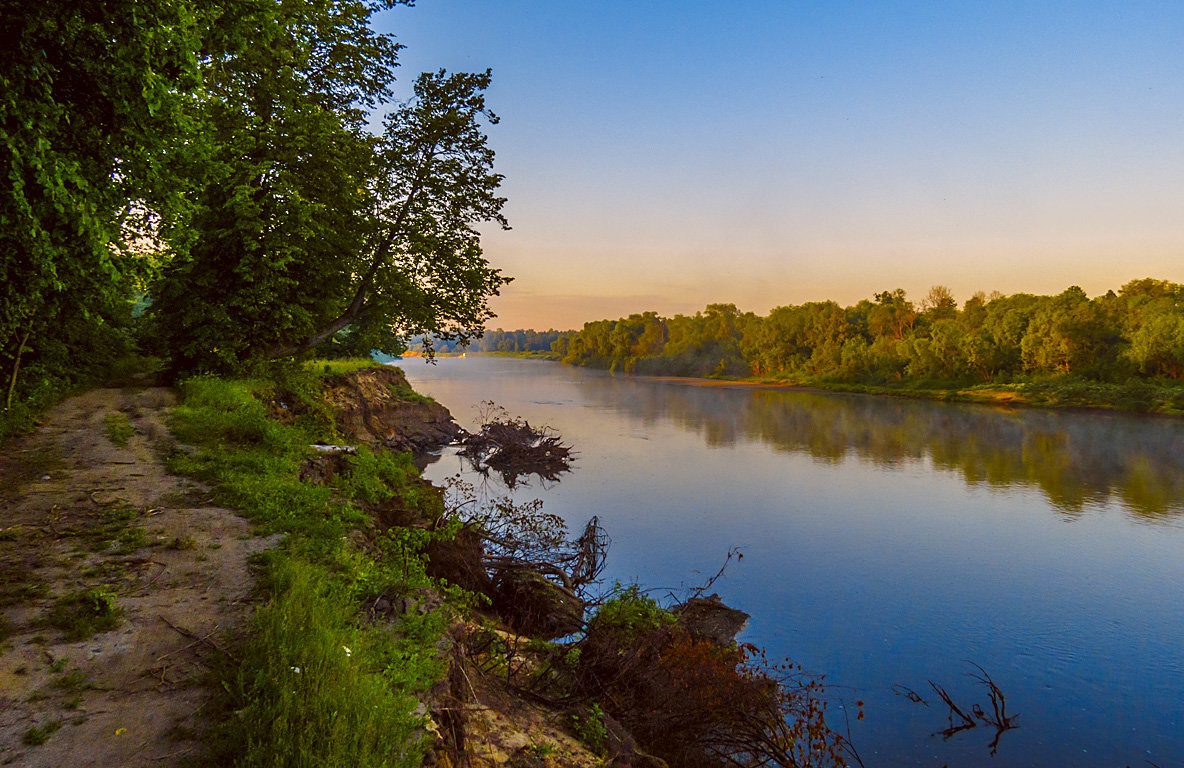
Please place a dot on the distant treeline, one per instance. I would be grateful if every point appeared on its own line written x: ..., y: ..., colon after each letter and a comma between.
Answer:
x: 1137, y: 332
x: 490, y: 341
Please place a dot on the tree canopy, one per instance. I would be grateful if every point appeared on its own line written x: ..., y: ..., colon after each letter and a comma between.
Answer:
x: 218, y: 159
x: 309, y: 226
x: 92, y: 101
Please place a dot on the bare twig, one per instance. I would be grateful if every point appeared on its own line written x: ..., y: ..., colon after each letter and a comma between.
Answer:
x: 967, y: 720
x: 205, y: 640
x: 909, y: 693
x: 733, y: 552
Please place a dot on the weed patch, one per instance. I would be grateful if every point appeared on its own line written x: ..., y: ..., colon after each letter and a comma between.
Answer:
x: 15, y: 591
x: 341, y: 366
x: 86, y: 613
x: 119, y: 428
x: 314, y: 689
x: 589, y: 728
x: 72, y: 681
x: 38, y: 735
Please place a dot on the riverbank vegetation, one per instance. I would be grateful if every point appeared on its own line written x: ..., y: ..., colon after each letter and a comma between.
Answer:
x: 393, y: 611
x: 315, y: 684
x: 1123, y: 349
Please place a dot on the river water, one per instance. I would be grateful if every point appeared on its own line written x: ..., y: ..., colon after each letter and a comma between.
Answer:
x: 890, y: 542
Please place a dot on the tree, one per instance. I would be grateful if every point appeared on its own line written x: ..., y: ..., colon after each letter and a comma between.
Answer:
x: 308, y: 225
x: 425, y: 272
x: 92, y: 108
x: 280, y: 195
x: 939, y: 304
x: 892, y: 314
x: 1067, y: 333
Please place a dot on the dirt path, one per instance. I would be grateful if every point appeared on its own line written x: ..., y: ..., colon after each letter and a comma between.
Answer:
x: 95, y: 531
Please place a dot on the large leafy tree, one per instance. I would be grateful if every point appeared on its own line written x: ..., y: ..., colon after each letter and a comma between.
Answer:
x: 92, y: 105
x: 308, y: 225
x: 421, y: 268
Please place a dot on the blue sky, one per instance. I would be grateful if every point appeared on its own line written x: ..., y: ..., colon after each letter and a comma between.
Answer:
x: 664, y: 155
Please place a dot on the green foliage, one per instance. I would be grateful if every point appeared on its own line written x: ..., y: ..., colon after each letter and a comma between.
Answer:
x: 1132, y: 341
x: 629, y: 614
x: 522, y: 342
x: 315, y: 690
x: 377, y: 477
x: 89, y: 122
x: 340, y: 366
x: 352, y: 247
x: 86, y: 613
x: 252, y: 460
x: 317, y: 685
x: 589, y: 728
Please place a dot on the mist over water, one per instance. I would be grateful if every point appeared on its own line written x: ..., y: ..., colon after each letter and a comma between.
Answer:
x: 888, y: 541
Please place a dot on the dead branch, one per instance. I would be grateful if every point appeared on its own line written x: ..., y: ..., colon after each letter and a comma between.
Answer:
x: 698, y: 591
x: 909, y: 693
x: 998, y: 703
x: 513, y: 448
x: 967, y: 720
x: 198, y: 638
x: 998, y: 718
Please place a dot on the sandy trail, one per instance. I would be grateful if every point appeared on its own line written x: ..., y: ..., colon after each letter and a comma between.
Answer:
x: 80, y: 512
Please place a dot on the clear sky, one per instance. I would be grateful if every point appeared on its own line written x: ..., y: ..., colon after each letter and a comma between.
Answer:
x: 663, y: 155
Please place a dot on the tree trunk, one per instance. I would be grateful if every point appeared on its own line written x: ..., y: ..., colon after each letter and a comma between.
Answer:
x: 357, y: 306
x: 16, y: 367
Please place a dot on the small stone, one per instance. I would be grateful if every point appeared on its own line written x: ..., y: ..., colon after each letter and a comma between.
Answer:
x: 516, y: 741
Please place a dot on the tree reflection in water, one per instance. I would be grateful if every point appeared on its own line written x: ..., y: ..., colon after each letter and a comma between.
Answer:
x: 1074, y: 458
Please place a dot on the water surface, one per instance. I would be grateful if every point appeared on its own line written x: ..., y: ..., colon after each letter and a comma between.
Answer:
x: 887, y: 542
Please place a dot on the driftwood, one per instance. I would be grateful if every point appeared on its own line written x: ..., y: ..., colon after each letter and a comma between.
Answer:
x: 997, y: 718
x: 573, y: 564
x: 513, y: 448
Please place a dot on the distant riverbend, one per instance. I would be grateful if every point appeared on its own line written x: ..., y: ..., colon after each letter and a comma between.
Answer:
x: 887, y: 541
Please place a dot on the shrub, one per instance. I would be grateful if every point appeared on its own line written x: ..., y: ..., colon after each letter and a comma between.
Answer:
x: 697, y: 703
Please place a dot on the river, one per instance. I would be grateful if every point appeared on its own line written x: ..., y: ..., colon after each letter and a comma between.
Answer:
x: 889, y: 542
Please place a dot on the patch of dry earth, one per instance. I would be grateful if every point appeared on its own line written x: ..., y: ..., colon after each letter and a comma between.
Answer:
x: 70, y: 501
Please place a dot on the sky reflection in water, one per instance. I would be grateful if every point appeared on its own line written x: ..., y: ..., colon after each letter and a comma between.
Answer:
x: 887, y: 541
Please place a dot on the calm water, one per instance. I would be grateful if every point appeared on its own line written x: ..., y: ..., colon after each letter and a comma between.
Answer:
x: 888, y: 541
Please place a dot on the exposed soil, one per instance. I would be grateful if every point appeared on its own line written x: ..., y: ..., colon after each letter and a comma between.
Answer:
x: 377, y: 406
x: 81, y: 515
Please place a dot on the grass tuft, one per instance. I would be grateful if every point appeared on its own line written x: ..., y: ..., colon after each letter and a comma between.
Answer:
x: 340, y: 366
x: 119, y: 428
x: 88, y: 612
x: 38, y: 735
x: 316, y: 690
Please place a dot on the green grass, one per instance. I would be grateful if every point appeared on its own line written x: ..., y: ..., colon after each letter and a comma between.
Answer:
x: 318, y: 685
x: 38, y: 735
x: 317, y: 690
x: 119, y: 428
x: 340, y: 366
x: 85, y: 613
x: 1045, y: 391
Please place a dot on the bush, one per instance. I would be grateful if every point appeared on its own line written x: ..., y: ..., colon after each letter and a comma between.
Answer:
x: 697, y: 703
